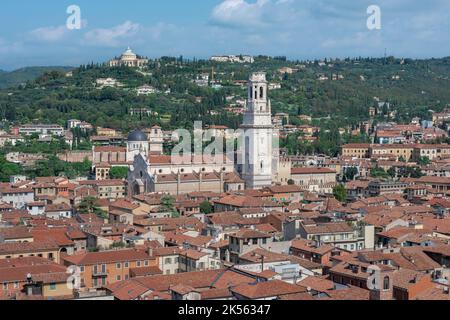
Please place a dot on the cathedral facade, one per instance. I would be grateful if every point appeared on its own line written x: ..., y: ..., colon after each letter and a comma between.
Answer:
x: 163, y: 174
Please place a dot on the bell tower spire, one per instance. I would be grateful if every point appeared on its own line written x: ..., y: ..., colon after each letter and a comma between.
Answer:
x: 258, y: 134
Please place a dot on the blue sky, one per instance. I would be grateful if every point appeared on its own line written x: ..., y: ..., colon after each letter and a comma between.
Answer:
x: 34, y: 33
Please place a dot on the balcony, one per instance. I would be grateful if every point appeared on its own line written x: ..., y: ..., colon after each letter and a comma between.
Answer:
x: 100, y: 273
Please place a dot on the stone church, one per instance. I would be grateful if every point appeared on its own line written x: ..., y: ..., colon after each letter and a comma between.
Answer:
x: 128, y: 59
x: 253, y: 169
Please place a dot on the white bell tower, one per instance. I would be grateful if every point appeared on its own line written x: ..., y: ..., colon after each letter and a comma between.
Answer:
x: 258, y: 135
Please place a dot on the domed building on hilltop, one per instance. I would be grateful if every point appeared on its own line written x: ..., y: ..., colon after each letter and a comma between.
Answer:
x: 128, y: 59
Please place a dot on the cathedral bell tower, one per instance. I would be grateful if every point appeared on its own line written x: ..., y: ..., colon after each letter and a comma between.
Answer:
x: 258, y: 135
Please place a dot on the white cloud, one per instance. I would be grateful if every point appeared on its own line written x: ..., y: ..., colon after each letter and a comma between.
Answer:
x: 238, y: 13
x: 112, y: 37
x: 157, y: 31
x: 257, y: 15
x: 49, y: 34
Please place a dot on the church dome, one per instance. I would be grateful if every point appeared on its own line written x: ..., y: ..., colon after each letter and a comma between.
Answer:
x: 129, y: 54
x: 137, y: 135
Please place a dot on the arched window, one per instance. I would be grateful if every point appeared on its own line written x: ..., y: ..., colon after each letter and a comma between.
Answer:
x: 386, y: 283
x: 261, y: 92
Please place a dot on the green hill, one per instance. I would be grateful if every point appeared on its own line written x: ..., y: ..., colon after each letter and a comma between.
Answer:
x: 16, y: 77
x: 342, y: 90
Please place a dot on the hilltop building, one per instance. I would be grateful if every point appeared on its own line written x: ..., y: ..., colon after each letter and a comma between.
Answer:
x: 128, y: 59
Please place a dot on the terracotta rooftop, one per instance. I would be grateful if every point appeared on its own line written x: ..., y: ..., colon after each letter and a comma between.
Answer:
x: 274, y: 288
x: 310, y: 246
x: 41, y: 272
x: 317, y: 284
x: 326, y: 228
x: 210, y: 279
x: 15, y: 247
x: 245, y: 202
x: 249, y: 234
x: 311, y: 171
x: 15, y: 233
x: 113, y: 256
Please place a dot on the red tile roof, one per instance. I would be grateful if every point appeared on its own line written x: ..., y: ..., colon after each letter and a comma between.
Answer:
x: 113, y: 256
x: 12, y: 248
x: 249, y: 234
x: 210, y: 279
x: 311, y: 171
x: 274, y: 288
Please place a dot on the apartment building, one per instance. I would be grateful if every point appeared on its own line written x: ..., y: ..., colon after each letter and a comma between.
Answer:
x: 168, y: 259
x: 398, y: 150
x: 339, y: 235
x: 356, y: 150
x: 379, y: 188
x: 49, y: 250
x: 193, y: 260
x: 320, y: 180
x: 430, y: 151
x: 33, y: 277
x: 99, y: 269
x: 246, y: 240
x: 15, y: 196
x: 111, y: 189
x: 41, y: 129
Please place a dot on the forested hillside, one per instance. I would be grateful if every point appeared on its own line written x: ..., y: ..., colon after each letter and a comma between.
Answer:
x: 17, y: 77
x: 341, y: 89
